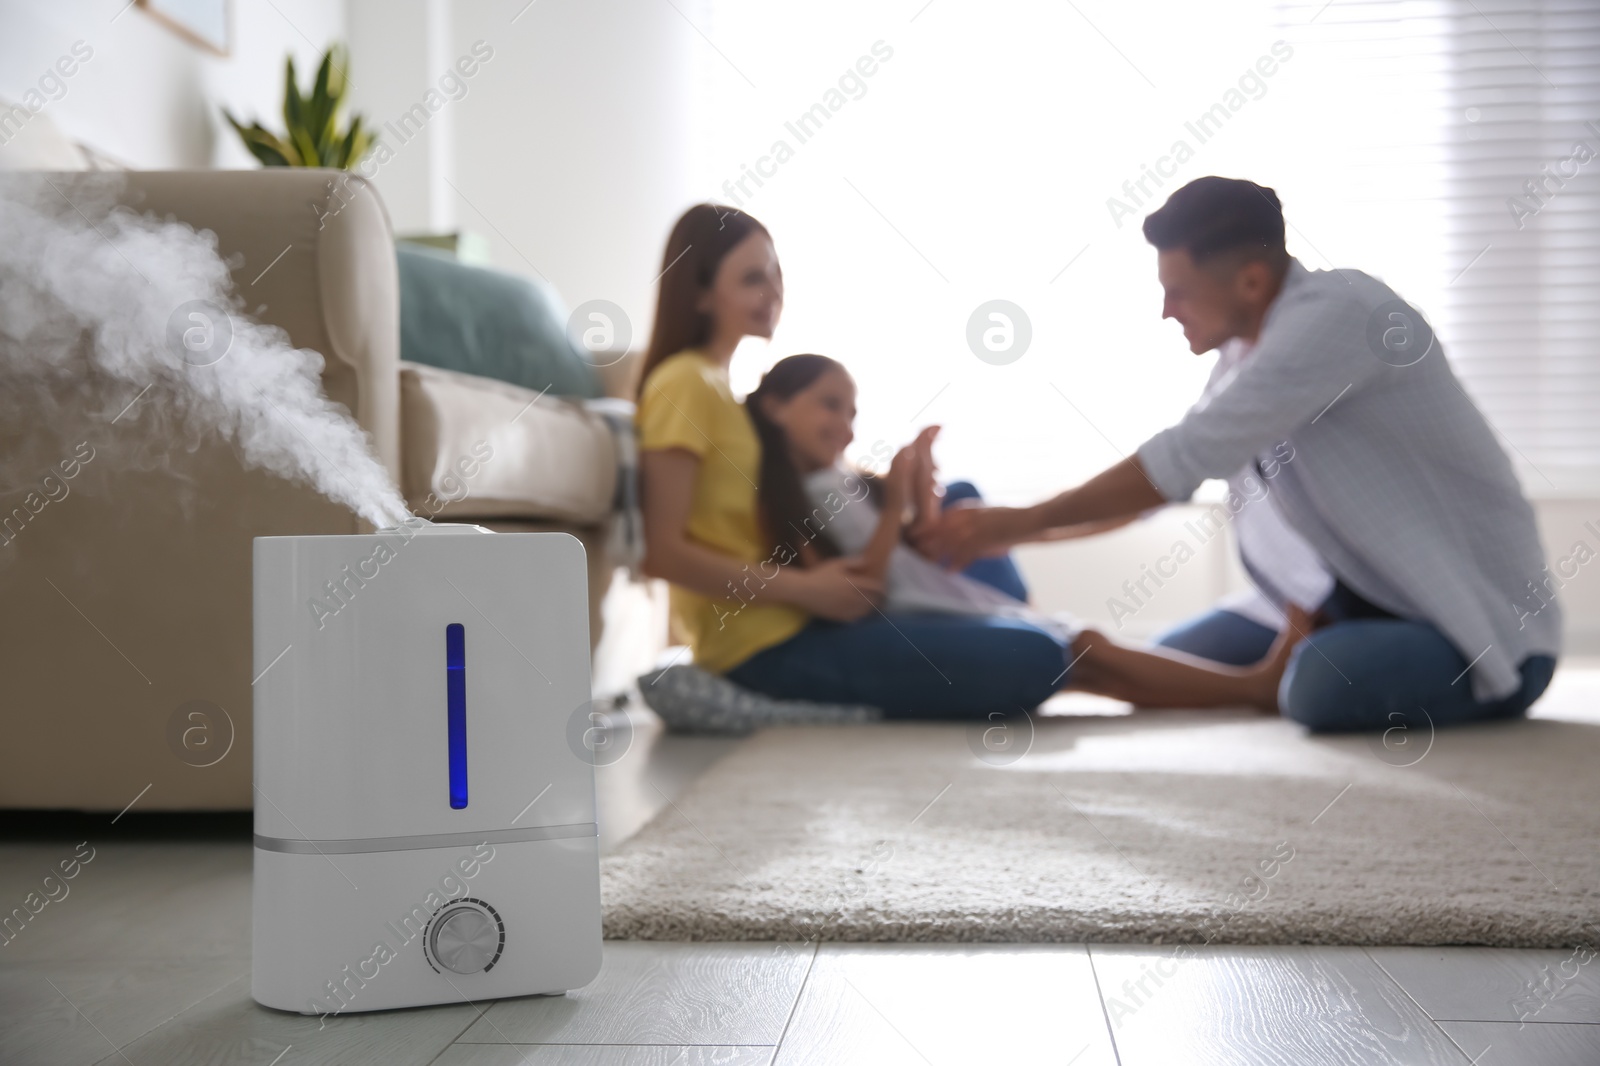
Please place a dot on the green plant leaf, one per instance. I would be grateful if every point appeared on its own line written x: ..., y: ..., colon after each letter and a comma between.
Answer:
x: 293, y: 105
x: 356, y: 144
x: 264, y: 144
x: 319, y: 117
x: 269, y: 155
x: 339, y: 60
x: 341, y: 154
x: 311, y: 136
x: 309, y: 154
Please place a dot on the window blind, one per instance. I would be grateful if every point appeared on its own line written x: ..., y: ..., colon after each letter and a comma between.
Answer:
x: 1498, y: 168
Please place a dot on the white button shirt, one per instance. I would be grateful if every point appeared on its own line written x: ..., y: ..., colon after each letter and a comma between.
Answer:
x: 1397, y: 483
x: 1284, y: 567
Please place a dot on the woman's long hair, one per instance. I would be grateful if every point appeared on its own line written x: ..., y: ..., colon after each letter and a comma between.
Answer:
x: 781, y: 496
x: 700, y: 240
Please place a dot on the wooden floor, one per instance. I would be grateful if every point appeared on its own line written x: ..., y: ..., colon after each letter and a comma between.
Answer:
x: 147, y: 961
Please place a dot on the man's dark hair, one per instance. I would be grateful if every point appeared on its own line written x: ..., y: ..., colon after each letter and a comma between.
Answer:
x: 1215, y: 217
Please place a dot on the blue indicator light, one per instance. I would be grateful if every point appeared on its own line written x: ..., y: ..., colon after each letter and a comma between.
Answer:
x: 455, y: 682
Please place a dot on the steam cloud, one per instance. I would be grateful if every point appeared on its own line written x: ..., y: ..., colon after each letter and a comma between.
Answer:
x: 99, y: 304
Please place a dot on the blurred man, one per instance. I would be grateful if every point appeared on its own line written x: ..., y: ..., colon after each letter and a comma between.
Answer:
x: 1396, y: 524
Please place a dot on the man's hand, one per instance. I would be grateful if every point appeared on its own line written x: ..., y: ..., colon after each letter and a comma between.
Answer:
x: 1116, y: 494
x: 963, y: 534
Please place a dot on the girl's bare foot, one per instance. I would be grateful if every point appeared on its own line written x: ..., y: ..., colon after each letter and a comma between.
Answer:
x: 1268, y: 673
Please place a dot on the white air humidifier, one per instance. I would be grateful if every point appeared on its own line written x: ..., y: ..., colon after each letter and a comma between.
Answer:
x: 424, y: 827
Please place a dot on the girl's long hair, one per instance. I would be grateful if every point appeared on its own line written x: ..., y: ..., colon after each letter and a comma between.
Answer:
x: 781, y: 496
x: 699, y: 242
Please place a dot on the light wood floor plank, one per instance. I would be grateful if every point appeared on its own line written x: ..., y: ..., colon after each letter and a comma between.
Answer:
x: 1534, y: 1044
x: 883, y: 1004
x: 230, y: 1027
x: 77, y: 1012
x: 196, y: 893
x: 1272, y: 1006
x: 1497, y: 984
x: 650, y: 992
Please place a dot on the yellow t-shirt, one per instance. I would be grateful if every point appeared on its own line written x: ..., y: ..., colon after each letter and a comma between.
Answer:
x: 687, y: 403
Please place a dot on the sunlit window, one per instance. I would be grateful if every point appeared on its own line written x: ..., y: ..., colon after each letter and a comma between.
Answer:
x: 916, y: 163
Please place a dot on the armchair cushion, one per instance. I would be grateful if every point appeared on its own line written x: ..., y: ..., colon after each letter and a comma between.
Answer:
x: 476, y: 448
x: 488, y: 323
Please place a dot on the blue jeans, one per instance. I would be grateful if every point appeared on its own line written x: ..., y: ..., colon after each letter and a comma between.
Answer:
x: 1362, y: 673
x: 914, y: 665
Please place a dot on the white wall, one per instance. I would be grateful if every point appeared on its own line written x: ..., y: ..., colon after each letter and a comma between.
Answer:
x: 1082, y: 576
x: 572, y: 152
x: 568, y: 148
x: 146, y: 96
x: 399, y: 49
x: 1565, y: 524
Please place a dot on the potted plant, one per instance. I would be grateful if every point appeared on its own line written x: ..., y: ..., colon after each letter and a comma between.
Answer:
x: 312, y: 137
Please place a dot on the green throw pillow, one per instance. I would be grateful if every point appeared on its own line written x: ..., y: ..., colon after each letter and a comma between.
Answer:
x: 489, y: 323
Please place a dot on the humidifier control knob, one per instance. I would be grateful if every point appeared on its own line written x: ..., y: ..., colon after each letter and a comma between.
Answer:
x: 466, y: 938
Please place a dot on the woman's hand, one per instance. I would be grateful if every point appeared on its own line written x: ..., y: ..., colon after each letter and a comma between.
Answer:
x: 834, y: 590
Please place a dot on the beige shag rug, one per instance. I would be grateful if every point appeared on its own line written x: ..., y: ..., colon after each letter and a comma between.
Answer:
x: 1161, y: 827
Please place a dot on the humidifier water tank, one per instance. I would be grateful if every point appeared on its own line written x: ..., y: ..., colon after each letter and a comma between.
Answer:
x: 424, y: 828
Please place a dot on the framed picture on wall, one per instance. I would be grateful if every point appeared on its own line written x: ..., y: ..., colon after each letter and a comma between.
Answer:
x: 206, y: 23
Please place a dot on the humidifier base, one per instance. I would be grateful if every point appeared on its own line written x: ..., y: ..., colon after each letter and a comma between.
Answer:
x: 342, y: 926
